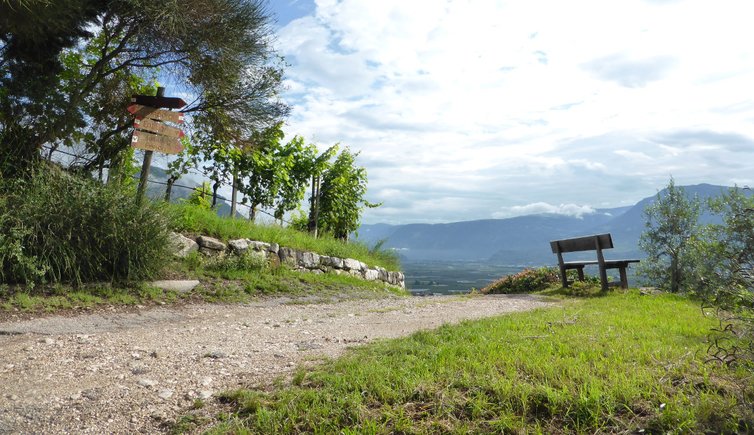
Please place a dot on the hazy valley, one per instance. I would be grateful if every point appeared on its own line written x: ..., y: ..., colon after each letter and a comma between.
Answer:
x: 458, y: 256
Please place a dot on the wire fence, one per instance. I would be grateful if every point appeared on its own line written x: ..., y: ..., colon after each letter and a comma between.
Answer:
x: 194, y: 188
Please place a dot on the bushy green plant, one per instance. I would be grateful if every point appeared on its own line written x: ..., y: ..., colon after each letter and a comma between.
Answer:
x: 526, y: 281
x: 723, y: 259
x: 670, y: 227
x: 201, y: 197
x: 58, y: 227
x: 247, y: 261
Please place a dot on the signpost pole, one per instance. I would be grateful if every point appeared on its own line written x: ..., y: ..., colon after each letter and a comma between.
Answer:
x: 147, y: 162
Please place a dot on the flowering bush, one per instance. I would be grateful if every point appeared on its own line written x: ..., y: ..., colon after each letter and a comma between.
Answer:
x: 526, y: 281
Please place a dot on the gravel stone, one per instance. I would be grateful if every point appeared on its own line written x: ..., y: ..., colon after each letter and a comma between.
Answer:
x: 165, y: 394
x: 144, y: 382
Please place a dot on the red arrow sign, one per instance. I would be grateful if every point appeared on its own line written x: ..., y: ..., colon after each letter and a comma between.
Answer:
x: 142, y: 112
x: 165, y: 102
x: 156, y: 142
x: 158, y: 127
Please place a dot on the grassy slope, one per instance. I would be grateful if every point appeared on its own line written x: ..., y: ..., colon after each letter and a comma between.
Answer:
x: 224, y: 281
x: 615, y: 363
x: 194, y: 220
x: 225, y: 286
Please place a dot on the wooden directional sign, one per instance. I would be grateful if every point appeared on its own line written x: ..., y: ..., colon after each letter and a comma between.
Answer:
x: 166, y: 102
x: 157, y: 127
x: 142, y: 112
x: 156, y: 142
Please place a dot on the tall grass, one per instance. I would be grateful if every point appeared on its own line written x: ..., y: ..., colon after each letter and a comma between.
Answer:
x: 190, y: 219
x: 59, y: 227
x: 616, y: 364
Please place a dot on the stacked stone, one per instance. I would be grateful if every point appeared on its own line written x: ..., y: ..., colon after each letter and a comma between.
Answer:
x: 304, y: 261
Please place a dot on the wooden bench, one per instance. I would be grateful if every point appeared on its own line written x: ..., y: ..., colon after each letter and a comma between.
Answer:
x: 589, y: 243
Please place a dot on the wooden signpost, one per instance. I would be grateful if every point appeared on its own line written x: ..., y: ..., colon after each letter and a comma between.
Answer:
x: 157, y: 127
x: 155, y: 142
x: 158, y: 101
x: 142, y: 112
x: 150, y: 132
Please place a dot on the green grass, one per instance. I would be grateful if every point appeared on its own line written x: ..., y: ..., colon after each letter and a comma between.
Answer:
x: 621, y: 362
x: 220, y: 283
x: 60, y: 297
x: 190, y: 219
x: 241, y: 285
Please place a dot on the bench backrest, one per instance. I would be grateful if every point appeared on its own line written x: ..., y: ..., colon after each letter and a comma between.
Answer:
x: 586, y: 243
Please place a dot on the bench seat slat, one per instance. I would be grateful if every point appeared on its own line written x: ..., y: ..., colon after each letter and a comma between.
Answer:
x: 608, y: 263
x: 580, y: 263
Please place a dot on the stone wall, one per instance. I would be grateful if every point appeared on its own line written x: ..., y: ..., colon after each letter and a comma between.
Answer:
x: 298, y: 260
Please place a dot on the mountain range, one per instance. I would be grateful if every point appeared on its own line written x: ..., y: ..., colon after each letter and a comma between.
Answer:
x: 522, y: 240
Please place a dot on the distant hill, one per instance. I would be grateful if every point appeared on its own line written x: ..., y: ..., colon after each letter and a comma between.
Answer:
x: 522, y: 240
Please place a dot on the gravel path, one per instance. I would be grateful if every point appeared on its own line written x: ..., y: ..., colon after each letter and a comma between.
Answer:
x: 136, y: 372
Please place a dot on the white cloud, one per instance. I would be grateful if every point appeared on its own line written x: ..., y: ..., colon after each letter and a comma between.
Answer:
x: 572, y: 210
x: 525, y: 102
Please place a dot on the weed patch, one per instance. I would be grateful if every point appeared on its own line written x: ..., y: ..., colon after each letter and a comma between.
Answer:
x: 59, y: 227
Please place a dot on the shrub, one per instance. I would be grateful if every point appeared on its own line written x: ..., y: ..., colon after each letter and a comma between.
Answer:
x: 201, y: 197
x: 526, y: 281
x: 249, y: 260
x: 58, y: 227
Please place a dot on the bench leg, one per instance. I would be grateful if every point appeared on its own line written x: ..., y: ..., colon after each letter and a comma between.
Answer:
x: 581, y: 273
x: 563, y: 277
x: 603, y: 278
x: 623, y: 278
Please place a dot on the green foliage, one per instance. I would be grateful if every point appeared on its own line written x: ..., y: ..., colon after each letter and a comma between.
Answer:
x: 297, y: 162
x: 716, y: 262
x: 623, y: 363
x: 15, y: 260
x: 299, y: 221
x: 66, y: 81
x: 181, y: 164
x: 342, y: 196
x: 723, y: 274
x: 248, y: 261
x: 526, y: 281
x: 259, y: 173
x: 200, y: 197
x: 58, y: 227
x: 671, y: 224
x: 319, y: 166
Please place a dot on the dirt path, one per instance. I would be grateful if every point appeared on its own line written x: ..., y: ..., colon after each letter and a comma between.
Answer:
x: 134, y: 372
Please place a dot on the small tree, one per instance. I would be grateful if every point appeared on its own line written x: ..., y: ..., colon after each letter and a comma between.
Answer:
x: 344, y: 186
x: 671, y: 223
x: 66, y: 68
x: 723, y: 275
x: 296, y: 163
x: 257, y: 169
x: 319, y: 166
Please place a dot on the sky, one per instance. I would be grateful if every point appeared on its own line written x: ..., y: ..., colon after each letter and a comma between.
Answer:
x: 479, y: 109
